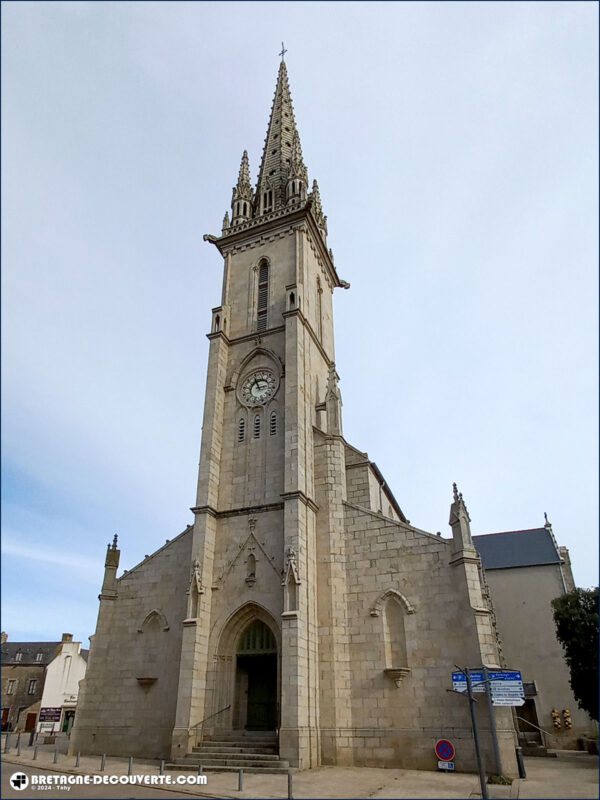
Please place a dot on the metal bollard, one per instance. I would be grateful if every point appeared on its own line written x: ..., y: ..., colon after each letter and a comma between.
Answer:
x: 31, y: 737
x: 6, y: 741
x: 102, y: 762
x: 19, y: 745
x: 35, y: 753
x: 77, y: 760
x: 290, y: 789
x: 240, y: 780
x: 130, y: 769
x: 520, y: 763
x: 162, y: 768
x: 56, y: 754
x: 199, y: 769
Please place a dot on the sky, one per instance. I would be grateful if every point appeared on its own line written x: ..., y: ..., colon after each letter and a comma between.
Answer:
x: 455, y: 146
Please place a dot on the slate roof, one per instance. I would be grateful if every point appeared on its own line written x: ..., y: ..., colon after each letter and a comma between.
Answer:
x: 30, y: 651
x: 517, y: 549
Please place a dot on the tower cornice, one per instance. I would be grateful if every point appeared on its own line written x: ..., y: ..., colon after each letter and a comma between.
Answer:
x: 268, y: 223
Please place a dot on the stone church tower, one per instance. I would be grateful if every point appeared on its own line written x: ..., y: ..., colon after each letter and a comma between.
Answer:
x: 301, y: 601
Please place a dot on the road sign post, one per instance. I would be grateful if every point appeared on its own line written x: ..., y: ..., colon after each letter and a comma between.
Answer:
x: 492, y: 714
x: 472, y: 701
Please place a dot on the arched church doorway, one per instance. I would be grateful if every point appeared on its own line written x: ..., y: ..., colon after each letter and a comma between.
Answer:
x: 255, y: 704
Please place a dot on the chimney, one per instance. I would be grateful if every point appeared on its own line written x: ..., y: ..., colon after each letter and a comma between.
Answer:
x: 4, y: 637
x: 67, y: 637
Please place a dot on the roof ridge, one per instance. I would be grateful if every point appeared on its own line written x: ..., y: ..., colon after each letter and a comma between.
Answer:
x: 518, y: 530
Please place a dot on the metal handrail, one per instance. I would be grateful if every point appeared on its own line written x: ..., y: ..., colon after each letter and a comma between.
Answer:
x: 547, y: 733
x: 202, y: 721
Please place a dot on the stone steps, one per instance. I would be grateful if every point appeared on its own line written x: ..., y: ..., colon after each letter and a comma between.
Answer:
x: 232, y: 752
x: 249, y: 755
x: 229, y: 761
x: 235, y: 747
x: 252, y: 751
x: 274, y: 770
x: 254, y: 737
x: 537, y: 751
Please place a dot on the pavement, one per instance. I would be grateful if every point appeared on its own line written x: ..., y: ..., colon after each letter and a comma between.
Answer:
x: 571, y: 775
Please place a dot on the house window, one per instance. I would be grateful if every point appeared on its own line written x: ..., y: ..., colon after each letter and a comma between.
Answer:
x: 39, y: 656
x: 19, y: 656
x: 31, y: 689
x: 241, y: 430
x: 263, y: 295
x: 10, y: 687
x: 256, y: 426
x: 273, y: 424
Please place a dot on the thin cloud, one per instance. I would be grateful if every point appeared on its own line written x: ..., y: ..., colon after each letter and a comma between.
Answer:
x: 85, y: 569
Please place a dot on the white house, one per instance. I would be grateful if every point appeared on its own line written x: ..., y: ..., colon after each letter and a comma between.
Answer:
x: 61, y: 688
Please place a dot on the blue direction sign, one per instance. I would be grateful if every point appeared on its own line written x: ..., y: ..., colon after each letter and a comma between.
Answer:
x: 459, y: 682
x: 506, y: 685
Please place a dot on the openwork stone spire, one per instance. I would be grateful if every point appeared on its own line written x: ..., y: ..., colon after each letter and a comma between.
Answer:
x: 282, y: 184
x: 243, y: 196
x: 243, y: 189
x: 279, y: 144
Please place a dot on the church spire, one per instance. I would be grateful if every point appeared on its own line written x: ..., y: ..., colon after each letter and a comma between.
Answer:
x: 281, y: 142
x: 243, y: 196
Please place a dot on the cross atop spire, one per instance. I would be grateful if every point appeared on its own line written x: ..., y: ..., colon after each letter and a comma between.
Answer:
x: 283, y: 51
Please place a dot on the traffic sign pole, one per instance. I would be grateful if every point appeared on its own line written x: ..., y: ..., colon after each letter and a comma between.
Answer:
x: 484, y: 793
x: 488, y: 691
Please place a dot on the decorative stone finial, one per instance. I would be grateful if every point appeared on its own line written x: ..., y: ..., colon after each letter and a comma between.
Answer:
x: 297, y: 166
x: 244, y: 173
x: 317, y: 208
x: 114, y: 544
x: 225, y: 221
x: 242, y: 196
x: 546, y: 521
x: 455, y: 492
x: 333, y: 402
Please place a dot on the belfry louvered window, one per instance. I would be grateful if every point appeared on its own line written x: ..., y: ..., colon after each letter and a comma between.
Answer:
x: 267, y: 201
x: 273, y: 424
x: 263, y: 295
x: 241, y: 430
x: 257, y: 427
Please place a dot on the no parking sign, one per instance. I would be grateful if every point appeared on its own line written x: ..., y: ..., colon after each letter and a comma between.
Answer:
x: 444, y: 750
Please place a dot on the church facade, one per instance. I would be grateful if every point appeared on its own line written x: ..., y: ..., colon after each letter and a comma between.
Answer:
x: 301, y: 601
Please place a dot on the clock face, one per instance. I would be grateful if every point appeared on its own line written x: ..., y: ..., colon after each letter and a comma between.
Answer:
x: 259, y: 387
